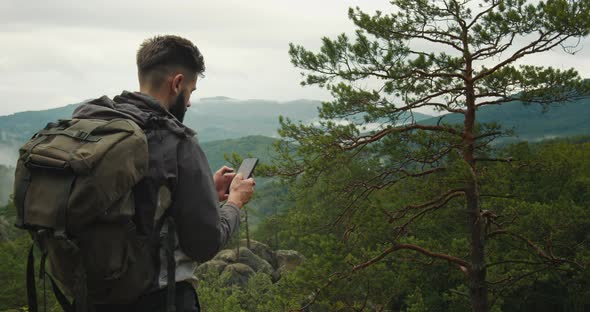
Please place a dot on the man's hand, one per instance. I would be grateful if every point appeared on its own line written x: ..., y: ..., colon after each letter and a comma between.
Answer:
x: 240, y: 190
x: 222, y: 179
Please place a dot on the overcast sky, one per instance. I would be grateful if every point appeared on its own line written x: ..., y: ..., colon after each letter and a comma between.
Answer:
x: 54, y: 53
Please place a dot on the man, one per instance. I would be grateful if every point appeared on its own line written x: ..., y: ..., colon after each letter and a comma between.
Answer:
x: 179, y: 182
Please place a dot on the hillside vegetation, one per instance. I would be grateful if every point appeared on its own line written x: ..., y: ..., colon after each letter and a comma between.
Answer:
x: 546, y: 195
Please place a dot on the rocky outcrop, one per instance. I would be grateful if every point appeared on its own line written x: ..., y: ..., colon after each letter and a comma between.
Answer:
x: 217, y: 265
x: 262, y: 250
x: 227, y: 255
x: 288, y: 260
x: 250, y: 259
x: 240, y: 265
x: 239, y: 274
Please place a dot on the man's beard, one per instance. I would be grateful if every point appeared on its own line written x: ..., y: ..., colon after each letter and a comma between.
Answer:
x: 178, y: 109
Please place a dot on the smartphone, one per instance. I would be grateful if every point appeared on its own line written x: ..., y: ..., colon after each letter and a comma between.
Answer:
x: 246, y: 169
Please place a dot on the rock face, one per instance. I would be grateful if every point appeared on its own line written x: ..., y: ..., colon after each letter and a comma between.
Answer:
x: 216, y: 265
x: 288, y: 260
x: 263, y: 251
x: 227, y: 255
x: 239, y: 274
x: 259, y: 258
x: 258, y: 264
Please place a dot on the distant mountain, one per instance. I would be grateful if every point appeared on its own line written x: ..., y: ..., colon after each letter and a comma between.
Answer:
x: 530, y: 122
x: 216, y: 118
x: 21, y: 126
x: 221, y: 118
x: 17, y: 128
x: 226, y: 125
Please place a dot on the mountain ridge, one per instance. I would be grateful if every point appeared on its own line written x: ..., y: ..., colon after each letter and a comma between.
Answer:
x: 531, y: 122
x: 218, y: 118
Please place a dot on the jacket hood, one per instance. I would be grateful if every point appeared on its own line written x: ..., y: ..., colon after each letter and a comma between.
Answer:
x: 141, y: 108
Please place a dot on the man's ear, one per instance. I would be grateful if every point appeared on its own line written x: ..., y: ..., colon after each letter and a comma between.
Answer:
x: 176, y: 85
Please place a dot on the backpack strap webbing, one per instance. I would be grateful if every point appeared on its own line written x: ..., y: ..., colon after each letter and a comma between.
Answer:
x: 31, y: 289
x: 169, y: 243
x: 74, y: 134
x: 81, y: 302
x: 31, y: 285
x: 61, y: 298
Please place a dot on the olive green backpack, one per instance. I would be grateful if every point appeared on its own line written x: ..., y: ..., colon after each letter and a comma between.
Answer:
x: 73, y: 193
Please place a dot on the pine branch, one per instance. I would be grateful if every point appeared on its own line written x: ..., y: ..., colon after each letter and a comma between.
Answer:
x: 495, y: 4
x: 363, y: 140
x: 548, y: 257
x: 451, y: 259
x: 531, y: 48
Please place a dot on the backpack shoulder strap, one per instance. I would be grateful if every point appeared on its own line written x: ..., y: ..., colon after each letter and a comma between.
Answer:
x: 31, y: 290
x: 31, y: 285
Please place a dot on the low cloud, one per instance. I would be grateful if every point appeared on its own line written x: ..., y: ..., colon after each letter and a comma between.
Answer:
x: 8, y: 155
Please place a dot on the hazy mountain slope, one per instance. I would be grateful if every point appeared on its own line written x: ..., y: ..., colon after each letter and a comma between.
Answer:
x: 18, y: 126
x: 223, y: 118
x: 530, y: 122
x: 214, y: 119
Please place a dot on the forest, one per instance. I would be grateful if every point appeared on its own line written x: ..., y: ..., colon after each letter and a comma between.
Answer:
x: 538, y: 264
x: 392, y: 213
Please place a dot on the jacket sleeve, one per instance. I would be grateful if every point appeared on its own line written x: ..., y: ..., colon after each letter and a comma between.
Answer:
x: 203, y: 227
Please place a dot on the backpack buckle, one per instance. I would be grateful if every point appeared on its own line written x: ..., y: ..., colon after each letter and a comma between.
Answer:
x: 86, y: 136
x: 60, y: 234
x: 82, y: 135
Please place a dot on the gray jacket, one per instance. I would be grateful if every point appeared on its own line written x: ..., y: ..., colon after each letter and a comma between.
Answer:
x: 179, y: 182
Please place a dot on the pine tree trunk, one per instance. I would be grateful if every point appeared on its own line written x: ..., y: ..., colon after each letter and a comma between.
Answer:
x: 478, y: 290
x: 477, y: 277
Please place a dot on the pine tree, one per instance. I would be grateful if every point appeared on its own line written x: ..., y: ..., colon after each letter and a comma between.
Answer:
x: 451, y: 56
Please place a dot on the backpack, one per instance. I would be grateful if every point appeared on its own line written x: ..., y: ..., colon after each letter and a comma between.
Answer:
x: 73, y: 191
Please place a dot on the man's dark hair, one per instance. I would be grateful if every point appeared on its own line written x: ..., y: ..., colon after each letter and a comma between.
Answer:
x: 161, y: 55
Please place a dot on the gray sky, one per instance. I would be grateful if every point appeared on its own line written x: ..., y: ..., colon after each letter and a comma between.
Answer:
x: 54, y: 53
